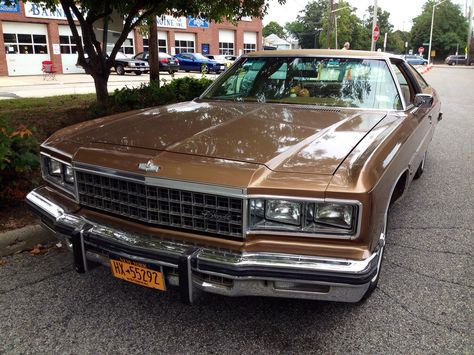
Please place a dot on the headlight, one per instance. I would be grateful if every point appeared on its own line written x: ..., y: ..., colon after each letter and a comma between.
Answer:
x: 58, y: 172
x: 131, y: 64
x: 282, y: 211
x: 305, y: 216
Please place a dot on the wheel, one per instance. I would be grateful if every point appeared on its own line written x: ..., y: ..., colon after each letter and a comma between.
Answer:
x: 187, y: 71
x: 138, y: 72
x: 120, y: 70
x: 421, y: 168
x: 453, y: 64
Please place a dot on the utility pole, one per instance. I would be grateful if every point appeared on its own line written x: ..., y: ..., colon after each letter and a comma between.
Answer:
x: 431, y: 31
x: 328, y: 30
x: 374, y: 23
x: 469, y: 36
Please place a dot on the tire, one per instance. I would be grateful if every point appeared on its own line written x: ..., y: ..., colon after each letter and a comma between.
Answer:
x: 120, y: 70
x: 421, y: 168
x: 138, y: 72
x: 187, y: 71
x: 453, y: 64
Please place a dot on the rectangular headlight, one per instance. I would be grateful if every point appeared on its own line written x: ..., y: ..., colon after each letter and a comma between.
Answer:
x: 282, y: 211
x: 68, y: 174
x: 333, y: 214
x: 304, y: 216
x: 54, y: 167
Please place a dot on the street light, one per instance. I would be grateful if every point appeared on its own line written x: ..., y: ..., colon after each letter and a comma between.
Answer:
x: 335, y: 22
x: 431, y: 31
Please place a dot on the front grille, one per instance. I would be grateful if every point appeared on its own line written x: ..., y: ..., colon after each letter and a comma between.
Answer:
x: 179, y: 209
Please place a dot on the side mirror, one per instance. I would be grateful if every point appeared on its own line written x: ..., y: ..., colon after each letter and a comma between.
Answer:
x: 423, y: 100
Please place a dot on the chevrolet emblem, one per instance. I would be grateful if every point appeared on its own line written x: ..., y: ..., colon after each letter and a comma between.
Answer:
x: 149, y: 167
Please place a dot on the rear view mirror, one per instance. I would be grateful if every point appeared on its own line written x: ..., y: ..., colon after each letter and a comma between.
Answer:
x: 423, y: 100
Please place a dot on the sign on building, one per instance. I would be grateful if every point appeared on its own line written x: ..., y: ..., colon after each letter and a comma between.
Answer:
x: 171, y: 22
x: 198, y: 22
x: 39, y: 11
x: 10, y: 7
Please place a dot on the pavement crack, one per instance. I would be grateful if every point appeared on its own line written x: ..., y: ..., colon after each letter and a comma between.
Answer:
x: 428, y: 250
x: 416, y: 315
x: 50, y: 276
x: 428, y: 276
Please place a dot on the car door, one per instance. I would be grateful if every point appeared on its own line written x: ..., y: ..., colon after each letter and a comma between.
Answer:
x: 419, y: 125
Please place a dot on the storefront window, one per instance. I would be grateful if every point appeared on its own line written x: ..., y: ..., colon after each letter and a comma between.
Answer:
x: 25, y: 43
x: 249, y: 47
x: 226, y: 48
x: 184, y: 46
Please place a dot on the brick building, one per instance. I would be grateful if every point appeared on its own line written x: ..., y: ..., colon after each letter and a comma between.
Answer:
x: 30, y: 34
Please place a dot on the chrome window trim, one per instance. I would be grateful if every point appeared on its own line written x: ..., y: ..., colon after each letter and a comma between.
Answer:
x: 356, y: 235
x: 397, y: 83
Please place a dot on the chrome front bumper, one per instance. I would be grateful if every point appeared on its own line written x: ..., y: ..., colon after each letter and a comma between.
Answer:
x: 195, y: 268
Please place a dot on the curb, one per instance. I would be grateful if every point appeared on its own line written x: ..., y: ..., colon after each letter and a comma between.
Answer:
x: 424, y: 69
x: 25, y: 238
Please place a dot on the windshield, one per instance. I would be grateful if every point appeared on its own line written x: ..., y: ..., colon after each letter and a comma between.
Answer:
x: 341, y: 82
x: 200, y: 56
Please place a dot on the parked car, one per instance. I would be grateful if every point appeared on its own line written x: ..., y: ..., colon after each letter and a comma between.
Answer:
x: 124, y: 64
x: 221, y: 59
x: 197, y: 62
x: 415, y: 59
x: 457, y: 59
x: 276, y: 181
x: 166, y: 62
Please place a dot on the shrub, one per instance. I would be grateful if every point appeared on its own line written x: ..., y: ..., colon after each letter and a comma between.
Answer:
x: 18, y: 154
x: 152, y: 94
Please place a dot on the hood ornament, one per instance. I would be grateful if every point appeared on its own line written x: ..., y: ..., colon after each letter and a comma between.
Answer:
x: 149, y: 166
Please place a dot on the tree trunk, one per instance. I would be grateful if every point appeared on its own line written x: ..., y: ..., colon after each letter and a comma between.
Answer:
x: 153, y: 58
x: 102, y: 94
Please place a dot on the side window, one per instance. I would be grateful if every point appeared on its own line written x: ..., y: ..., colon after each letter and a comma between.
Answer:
x: 419, y: 79
x: 408, y: 91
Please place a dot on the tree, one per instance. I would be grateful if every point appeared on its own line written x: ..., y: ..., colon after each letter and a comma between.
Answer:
x: 273, y: 28
x: 349, y: 28
x: 308, y: 23
x: 92, y: 55
x: 449, y: 30
x: 383, y: 24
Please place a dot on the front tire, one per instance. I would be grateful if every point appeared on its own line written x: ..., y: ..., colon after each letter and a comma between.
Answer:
x: 453, y: 64
x: 120, y: 70
x: 138, y: 73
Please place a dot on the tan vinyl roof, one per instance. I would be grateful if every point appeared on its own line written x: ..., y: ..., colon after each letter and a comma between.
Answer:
x: 321, y: 52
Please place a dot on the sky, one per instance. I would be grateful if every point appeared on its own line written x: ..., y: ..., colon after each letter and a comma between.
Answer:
x: 401, y: 11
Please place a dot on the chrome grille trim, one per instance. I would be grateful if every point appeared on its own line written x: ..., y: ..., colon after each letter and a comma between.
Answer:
x: 166, y: 204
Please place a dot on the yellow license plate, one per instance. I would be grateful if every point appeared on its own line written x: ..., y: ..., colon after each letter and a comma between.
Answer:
x: 137, y: 273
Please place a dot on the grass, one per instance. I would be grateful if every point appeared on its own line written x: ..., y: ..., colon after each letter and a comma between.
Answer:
x: 48, y: 114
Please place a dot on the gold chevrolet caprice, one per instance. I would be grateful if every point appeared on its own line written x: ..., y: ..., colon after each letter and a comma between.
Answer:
x: 276, y: 181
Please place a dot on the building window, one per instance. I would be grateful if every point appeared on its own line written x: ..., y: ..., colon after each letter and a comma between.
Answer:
x: 226, y: 48
x: 25, y: 43
x: 184, y: 46
x: 127, y: 46
x: 249, y: 47
x: 162, y: 47
x: 67, y: 45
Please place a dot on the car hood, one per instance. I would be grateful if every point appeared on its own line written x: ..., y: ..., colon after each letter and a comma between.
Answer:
x: 285, y: 138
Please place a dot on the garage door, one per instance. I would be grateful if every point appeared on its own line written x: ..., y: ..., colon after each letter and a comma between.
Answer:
x: 26, y: 46
x: 68, y: 50
x: 184, y: 42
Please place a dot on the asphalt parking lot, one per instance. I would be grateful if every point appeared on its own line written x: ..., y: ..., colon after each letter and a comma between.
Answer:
x: 424, y: 302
